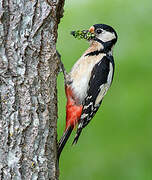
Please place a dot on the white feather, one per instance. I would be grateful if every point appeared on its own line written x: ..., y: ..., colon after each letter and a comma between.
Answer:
x: 104, y: 87
x: 81, y: 73
x: 106, y: 36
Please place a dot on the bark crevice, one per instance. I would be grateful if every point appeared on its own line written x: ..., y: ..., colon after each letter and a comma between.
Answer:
x: 28, y: 93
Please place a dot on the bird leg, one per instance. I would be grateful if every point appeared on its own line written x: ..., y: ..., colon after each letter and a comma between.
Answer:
x: 62, y: 68
x: 67, y: 79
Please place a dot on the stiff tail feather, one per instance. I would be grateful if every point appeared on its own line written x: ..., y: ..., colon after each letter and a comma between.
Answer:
x: 79, y: 130
x: 64, y: 139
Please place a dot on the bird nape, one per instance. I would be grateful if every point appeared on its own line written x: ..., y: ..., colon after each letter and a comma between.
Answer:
x: 89, y: 79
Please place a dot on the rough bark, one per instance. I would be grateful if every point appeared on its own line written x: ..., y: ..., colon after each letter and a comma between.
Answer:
x: 28, y: 102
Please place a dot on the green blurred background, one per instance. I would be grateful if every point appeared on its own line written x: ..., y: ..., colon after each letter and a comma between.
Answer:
x: 117, y: 144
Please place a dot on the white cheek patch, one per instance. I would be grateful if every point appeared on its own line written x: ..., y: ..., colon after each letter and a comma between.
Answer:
x: 107, y: 36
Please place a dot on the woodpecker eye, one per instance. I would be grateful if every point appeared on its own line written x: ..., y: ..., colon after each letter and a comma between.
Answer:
x: 99, y: 31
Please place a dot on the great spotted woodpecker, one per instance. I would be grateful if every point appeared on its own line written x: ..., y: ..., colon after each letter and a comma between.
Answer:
x: 88, y: 81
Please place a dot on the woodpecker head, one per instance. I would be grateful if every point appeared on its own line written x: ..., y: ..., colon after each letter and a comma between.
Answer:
x: 104, y: 35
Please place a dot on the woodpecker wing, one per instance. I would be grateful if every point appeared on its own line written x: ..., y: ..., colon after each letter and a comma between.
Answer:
x: 100, y: 81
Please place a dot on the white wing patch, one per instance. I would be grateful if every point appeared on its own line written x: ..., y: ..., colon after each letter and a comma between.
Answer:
x: 110, y: 74
x: 104, y: 87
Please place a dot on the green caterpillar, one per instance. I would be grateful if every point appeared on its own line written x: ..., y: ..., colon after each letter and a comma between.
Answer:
x: 83, y: 34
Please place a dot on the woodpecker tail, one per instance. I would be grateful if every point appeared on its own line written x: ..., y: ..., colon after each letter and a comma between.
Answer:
x: 64, y: 139
x: 79, y: 130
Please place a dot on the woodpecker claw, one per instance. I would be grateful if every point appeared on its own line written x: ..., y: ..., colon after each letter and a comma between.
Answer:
x: 62, y: 68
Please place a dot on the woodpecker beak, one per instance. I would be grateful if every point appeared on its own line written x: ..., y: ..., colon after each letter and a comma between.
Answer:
x: 91, y: 30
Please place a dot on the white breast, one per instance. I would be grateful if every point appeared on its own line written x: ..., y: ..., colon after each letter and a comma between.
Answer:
x: 80, y: 74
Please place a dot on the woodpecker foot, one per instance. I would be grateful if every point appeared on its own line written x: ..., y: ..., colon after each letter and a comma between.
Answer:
x: 61, y: 64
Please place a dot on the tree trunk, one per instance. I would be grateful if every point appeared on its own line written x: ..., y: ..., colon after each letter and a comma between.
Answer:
x: 28, y: 95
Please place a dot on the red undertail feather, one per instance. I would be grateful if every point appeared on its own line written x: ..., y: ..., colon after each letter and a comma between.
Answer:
x: 73, y: 113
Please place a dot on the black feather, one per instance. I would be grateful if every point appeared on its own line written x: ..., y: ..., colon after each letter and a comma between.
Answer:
x: 95, y: 53
x: 99, y: 76
x: 77, y: 136
x: 63, y: 140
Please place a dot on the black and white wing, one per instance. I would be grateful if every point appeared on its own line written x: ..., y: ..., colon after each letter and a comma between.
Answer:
x: 100, y: 81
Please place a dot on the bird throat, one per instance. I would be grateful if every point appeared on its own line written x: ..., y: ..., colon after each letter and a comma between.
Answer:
x: 106, y: 47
